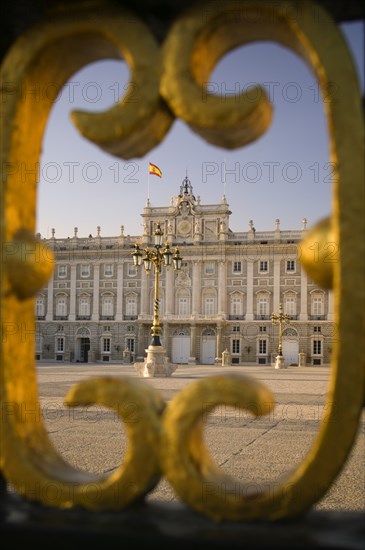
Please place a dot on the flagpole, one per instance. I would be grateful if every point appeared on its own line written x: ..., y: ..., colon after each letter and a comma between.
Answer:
x: 224, y: 179
x: 148, y: 185
x: 155, y: 171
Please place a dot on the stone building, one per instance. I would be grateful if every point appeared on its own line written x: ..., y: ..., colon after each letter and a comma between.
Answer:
x: 99, y: 307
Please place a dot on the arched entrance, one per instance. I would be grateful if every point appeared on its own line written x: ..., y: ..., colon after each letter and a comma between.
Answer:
x: 208, y: 346
x: 180, y: 346
x: 84, y: 350
x: 290, y: 346
x: 82, y: 345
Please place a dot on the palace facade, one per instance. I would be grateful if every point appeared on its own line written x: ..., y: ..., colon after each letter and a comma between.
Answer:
x: 98, y: 306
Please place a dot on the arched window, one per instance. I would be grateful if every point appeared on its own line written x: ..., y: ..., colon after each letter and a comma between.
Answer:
x: 131, y: 305
x: 317, y: 304
x: 107, y: 306
x: 290, y: 303
x: 84, y: 306
x: 263, y: 305
x: 183, y: 302
x: 236, y: 304
x: 39, y: 306
x: 61, y: 305
x: 209, y: 305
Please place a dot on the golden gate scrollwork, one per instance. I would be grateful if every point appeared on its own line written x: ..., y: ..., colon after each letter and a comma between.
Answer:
x: 169, y: 81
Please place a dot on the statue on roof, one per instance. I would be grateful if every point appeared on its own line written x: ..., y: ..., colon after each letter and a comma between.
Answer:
x: 186, y: 199
x: 186, y: 189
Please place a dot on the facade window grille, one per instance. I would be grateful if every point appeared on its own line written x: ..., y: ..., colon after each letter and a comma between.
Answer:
x: 106, y: 345
x: 262, y: 346
x: 317, y: 347
x: 263, y: 266
x: 60, y: 344
x: 236, y: 346
x: 237, y: 267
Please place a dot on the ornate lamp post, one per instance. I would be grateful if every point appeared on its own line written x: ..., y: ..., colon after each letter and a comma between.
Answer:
x: 280, y: 318
x: 156, y: 363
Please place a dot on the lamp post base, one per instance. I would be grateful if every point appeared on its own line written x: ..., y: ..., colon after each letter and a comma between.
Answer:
x: 280, y: 362
x: 156, y: 364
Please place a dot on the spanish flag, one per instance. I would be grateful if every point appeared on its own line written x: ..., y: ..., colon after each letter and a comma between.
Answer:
x: 155, y: 170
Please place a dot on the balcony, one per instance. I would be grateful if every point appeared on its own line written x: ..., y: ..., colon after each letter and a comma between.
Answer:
x: 83, y: 317
x: 317, y: 317
x: 61, y: 317
x: 262, y: 317
x: 106, y: 317
x: 236, y: 317
x: 130, y: 317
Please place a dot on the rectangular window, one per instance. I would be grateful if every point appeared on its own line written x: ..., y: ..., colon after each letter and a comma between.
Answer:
x: 209, y: 306
x: 262, y: 347
x: 317, y: 347
x: 84, y: 271
x: 290, y: 306
x: 106, y: 345
x: 61, y: 307
x: 317, y: 329
x: 236, y: 346
x: 235, y: 328
x: 209, y: 268
x: 263, y: 307
x: 132, y: 270
x: 60, y: 344
x: 237, y: 267
x: 183, y: 305
x: 38, y: 342
x: 262, y: 329
x: 84, y: 307
x: 290, y: 265
x: 317, y: 305
x: 130, y: 344
x: 131, y: 306
x: 107, y: 306
x: 263, y: 266
x: 39, y: 307
x: 62, y: 271
x: 236, y: 305
x: 108, y: 270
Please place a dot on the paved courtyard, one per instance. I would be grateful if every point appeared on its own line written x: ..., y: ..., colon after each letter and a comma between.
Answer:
x: 258, y: 450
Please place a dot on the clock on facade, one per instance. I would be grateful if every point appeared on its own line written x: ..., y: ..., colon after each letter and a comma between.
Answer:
x: 184, y: 227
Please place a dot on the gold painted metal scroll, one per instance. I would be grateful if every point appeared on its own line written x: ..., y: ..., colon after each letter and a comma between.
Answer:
x: 171, y: 84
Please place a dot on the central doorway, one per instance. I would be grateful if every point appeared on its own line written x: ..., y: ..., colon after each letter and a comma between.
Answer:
x: 290, y: 346
x: 84, y: 349
x: 180, y: 351
x: 208, y: 347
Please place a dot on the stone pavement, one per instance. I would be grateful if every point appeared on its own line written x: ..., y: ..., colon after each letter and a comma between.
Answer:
x: 258, y: 450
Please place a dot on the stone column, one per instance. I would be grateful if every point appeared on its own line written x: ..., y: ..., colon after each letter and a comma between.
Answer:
x: 249, y: 310
x: 140, y: 342
x: 169, y: 291
x: 120, y: 293
x: 49, y: 314
x: 222, y: 289
x: 96, y: 292
x: 144, y: 293
x: 192, y: 358
x: 196, y: 288
x: 218, y: 355
x: 72, y: 314
x: 330, y: 313
x: 276, y: 297
x: 303, y: 316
